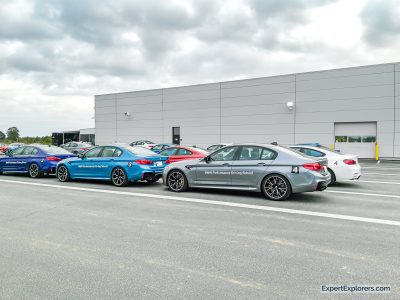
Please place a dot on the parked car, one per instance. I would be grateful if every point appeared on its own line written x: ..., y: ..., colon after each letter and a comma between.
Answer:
x: 13, y: 146
x: 216, y: 147
x: 160, y: 147
x: 143, y: 143
x: 275, y: 171
x: 3, y: 147
x: 178, y: 153
x: 340, y: 166
x: 77, y: 147
x: 119, y: 164
x: 33, y: 160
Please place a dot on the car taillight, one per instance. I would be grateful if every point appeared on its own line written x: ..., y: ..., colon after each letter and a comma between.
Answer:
x: 53, y: 158
x: 84, y: 149
x: 143, y: 162
x: 167, y: 161
x: 349, y: 161
x: 313, y: 167
x: 151, y: 147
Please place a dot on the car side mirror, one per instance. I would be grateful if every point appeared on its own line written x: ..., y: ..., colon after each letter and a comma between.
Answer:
x: 81, y: 155
x: 207, y: 159
x: 8, y: 153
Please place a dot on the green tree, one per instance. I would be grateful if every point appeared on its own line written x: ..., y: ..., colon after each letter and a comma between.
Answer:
x: 2, y: 136
x: 13, y: 134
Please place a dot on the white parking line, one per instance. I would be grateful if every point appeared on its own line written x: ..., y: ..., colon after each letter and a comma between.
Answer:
x: 220, y: 203
x: 380, y: 168
x: 363, y: 194
x: 378, y: 182
x: 383, y: 174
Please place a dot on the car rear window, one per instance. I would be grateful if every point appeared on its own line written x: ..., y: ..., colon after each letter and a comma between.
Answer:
x: 201, y: 150
x: 141, y: 151
x: 54, y: 150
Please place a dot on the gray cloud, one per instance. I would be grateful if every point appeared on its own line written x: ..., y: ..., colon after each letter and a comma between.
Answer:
x: 382, y: 22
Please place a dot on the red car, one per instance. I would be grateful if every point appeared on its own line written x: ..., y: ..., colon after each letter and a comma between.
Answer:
x: 3, y: 147
x: 179, y: 153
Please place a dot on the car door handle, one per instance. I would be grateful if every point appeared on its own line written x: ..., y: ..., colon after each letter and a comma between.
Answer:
x: 226, y: 165
x: 262, y: 164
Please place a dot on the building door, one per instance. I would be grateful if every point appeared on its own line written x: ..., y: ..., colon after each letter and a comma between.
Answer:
x: 356, y: 138
x: 176, y: 135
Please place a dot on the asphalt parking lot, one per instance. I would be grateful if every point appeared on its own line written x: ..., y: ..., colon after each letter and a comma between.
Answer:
x: 90, y: 240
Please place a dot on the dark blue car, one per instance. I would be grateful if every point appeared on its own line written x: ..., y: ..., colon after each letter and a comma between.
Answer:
x: 34, y: 160
x: 117, y: 163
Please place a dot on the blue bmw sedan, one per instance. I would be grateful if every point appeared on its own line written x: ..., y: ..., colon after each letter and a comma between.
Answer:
x: 117, y: 163
x: 34, y: 160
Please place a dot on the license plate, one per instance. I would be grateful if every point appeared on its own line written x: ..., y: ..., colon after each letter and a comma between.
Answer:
x: 158, y: 163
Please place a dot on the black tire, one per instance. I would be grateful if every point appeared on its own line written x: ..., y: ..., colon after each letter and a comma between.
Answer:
x: 63, y: 174
x: 333, y: 177
x: 119, y: 177
x: 276, y: 187
x: 34, y: 171
x: 177, y: 181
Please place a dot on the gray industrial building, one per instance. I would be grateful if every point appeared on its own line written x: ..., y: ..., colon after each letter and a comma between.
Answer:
x: 350, y: 108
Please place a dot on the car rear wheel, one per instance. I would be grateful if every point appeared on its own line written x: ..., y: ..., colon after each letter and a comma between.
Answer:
x: 276, y: 187
x: 177, y: 181
x: 333, y: 177
x: 63, y: 174
x: 34, y: 171
x: 119, y: 177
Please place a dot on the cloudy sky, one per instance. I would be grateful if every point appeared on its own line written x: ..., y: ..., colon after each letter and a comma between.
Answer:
x: 56, y: 54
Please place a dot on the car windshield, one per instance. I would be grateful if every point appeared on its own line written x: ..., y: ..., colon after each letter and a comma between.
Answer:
x: 53, y: 150
x: 141, y: 151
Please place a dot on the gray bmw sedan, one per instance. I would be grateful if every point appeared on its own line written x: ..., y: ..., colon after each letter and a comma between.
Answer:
x: 274, y: 170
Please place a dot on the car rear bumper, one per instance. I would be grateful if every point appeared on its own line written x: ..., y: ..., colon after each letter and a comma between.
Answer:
x: 351, y: 172
x: 313, y: 181
x: 144, y: 173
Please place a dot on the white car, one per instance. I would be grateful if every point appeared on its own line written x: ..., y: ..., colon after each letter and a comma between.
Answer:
x: 341, y: 166
x: 143, y: 143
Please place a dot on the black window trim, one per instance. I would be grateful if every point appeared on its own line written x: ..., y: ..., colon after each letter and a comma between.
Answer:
x: 236, y: 157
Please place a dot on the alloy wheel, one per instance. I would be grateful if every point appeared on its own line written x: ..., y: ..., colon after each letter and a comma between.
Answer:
x: 176, y: 181
x: 118, y: 177
x: 275, y: 187
x: 62, y: 174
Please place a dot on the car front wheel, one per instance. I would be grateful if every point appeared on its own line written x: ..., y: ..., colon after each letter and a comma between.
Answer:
x: 63, y: 174
x: 177, y: 181
x: 276, y: 187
